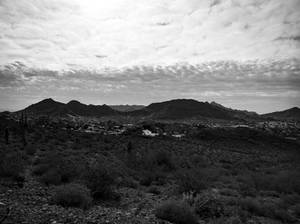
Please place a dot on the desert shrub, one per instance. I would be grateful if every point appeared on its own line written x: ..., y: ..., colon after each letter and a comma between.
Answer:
x: 252, y: 205
x: 229, y: 192
x: 176, y: 212
x: 40, y: 169
x: 148, y: 177
x: 164, y: 159
x: 266, y: 209
x: 100, y: 180
x: 282, y: 215
x: 189, y: 198
x: 287, y: 201
x: 287, y: 181
x: 191, y: 180
x: 72, y: 195
x: 296, y: 210
x: 154, y: 190
x: 12, y: 165
x: 195, y: 180
x: 234, y: 220
x: 30, y: 150
x: 55, y: 169
x: 282, y: 182
x: 199, y: 161
x: 51, y: 177
x: 127, y: 182
x: 150, y: 160
x: 208, y: 205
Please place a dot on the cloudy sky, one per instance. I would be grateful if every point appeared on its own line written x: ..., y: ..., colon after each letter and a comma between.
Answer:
x: 242, y: 54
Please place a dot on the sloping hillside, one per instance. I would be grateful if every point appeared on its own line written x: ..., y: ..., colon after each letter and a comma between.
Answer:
x: 290, y: 114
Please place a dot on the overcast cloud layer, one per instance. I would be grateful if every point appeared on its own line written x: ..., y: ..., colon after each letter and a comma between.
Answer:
x: 244, y: 54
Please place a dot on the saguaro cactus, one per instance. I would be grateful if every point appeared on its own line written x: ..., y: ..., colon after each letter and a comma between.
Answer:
x: 23, y: 126
x: 6, y: 136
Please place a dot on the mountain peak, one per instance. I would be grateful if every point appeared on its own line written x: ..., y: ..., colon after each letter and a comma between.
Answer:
x: 73, y: 102
x: 48, y: 100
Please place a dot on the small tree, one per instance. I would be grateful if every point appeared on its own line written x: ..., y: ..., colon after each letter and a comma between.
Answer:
x: 99, y: 180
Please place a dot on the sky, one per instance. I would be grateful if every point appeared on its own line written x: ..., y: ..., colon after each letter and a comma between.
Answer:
x: 242, y: 54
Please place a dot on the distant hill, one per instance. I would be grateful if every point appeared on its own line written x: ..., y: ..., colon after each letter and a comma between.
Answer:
x: 239, y: 114
x: 126, y: 108
x: 181, y: 109
x: 46, y: 107
x: 54, y: 108
x: 289, y: 114
x: 168, y: 110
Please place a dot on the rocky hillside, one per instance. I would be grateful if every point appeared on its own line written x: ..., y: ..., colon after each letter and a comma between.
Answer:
x: 290, y: 114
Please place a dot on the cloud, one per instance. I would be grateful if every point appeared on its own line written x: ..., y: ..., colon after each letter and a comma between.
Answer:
x: 54, y: 34
x: 221, y: 81
x: 149, y: 50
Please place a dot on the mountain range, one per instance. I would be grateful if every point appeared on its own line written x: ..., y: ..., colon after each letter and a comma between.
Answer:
x: 290, y: 114
x: 54, y: 108
x: 126, y: 108
x: 172, y: 109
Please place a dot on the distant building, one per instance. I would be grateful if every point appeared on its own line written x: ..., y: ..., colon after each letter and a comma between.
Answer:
x: 147, y: 132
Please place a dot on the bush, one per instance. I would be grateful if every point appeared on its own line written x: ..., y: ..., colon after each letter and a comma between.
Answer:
x: 149, y: 177
x: 12, y: 165
x: 195, y: 180
x: 153, y: 190
x: 283, y: 215
x: 296, y: 210
x: 266, y: 209
x: 287, y: 201
x: 164, y: 159
x: 100, y: 181
x: 51, y: 177
x: 30, y: 150
x: 176, y: 212
x: 72, y: 195
x: 282, y: 182
x: 208, y: 206
x: 253, y: 206
x: 287, y: 181
x: 40, y: 169
x: 54, y: 169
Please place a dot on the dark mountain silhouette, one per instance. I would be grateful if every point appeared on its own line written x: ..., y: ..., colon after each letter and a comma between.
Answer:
x: 181, y: 109
x: 239, y: 114
x: 46, y: 107
x: 172, y: 109
x: 54, y: 108
x: 78, y: 108
x: 289, y: 114
x: 126, y: 108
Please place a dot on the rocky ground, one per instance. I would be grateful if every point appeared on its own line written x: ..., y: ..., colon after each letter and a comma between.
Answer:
x: 32, y: 204
x: 238, y: 164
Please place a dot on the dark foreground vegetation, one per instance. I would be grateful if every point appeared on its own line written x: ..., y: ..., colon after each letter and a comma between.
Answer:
x: 212, y: 175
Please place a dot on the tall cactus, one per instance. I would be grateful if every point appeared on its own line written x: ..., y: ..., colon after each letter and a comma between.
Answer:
x: 6, y: 136
x: 23, y: 126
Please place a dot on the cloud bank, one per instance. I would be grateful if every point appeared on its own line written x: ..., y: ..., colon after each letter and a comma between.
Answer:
x: 244, y: 54
x: 94, y: 34
x: 261, y: 87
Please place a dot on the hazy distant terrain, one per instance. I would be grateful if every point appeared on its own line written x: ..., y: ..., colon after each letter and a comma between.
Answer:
x: 126, y: 108
x: 177, y: 109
